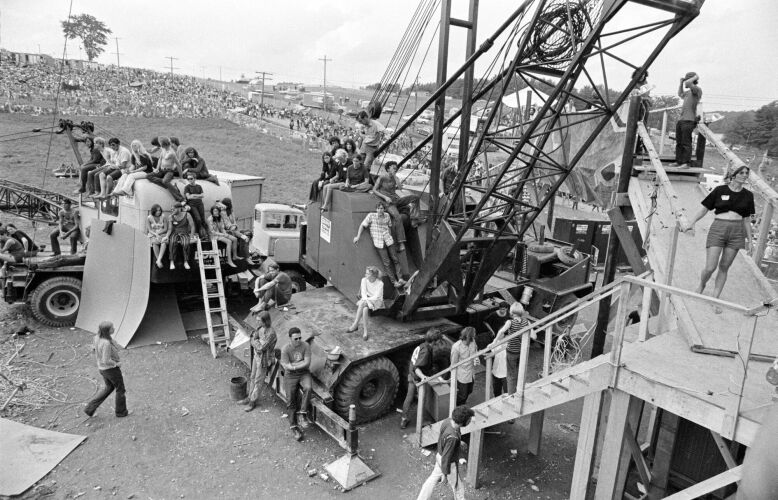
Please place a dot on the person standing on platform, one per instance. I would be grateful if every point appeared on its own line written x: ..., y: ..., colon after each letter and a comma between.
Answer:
x: 107, y: 356
x: 447, y: 459
x: 462, y: 349
x: 370, y: 136
x: 691, y: 93
x: 296, y: 361
x: 263, y: 344
x: 733, y: 206
x: 379, y: 223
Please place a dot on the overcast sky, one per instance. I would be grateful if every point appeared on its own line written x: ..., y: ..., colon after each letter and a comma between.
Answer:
x: 732, y: 44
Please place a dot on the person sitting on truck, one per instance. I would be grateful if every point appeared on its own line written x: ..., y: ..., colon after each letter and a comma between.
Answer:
x: 29, y: 245
x: 327, y: 165
x: 195, y: 164
x: 220, y: 235
x: 421, y: 366
x: 140, y: 167
x: 157, y: 230
x: 379, y: 222
x: 95, y: 161
x: 335, y: 144
x: 180, y: 234
x: 371, y: 296
x: 167, y: 168
x: 274, y: 288
x: 385, y: 188
x: 357, y: 179
x: 351, y: 148
x: 194, y: 199
x: 11, y: 251
x: 117, y: 164
x: 231, y: 226
x: 338, y: 176
x: 296, y: 362
x: 67, y: 228
x: 92, y: 179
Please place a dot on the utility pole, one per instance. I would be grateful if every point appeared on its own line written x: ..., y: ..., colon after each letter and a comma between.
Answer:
x: 117, y: 52
x: 262, y: 96
x: 325, y: 80
x: 171, y: 63
x: 220, y: 74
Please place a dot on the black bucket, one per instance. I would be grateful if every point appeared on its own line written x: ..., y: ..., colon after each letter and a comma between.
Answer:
x: 238, y: 388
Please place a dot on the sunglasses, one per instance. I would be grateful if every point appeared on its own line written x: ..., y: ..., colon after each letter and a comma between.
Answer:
x: 297, y: 338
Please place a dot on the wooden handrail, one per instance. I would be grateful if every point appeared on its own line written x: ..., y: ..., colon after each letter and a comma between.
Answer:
x: 671, y: 290
x: 541, y: 324
x: 661, y: 175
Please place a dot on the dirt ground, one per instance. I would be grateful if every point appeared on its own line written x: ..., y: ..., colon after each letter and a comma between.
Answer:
x: 185, y: 438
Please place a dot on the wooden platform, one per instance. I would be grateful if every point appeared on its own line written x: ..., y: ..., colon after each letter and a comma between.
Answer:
x: 746, y: 285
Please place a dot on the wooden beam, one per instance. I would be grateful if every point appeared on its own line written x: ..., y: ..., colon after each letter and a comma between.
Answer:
x: 535, y: 432
x: 663, y: 455
x: 587, y: 438
x: 724, y: 450
x: 618, y: 334
x: 645, y: 310
x: 637, y: 455
x: 474, y: 454
x: 764, y: 229
x: 613, y: 445
x: 745, y: 341
x: 619, y: 225
x: 634, y: 412
x: 709, y: 485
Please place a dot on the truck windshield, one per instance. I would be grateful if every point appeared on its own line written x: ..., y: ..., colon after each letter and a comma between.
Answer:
x: 280, y: 221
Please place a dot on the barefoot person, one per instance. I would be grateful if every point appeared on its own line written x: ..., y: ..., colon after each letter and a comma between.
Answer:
x: 156, y: 230
x: 371, y: 296
x: 273, y: 288
x: 379, y: 223
x: 733, y: 205
x: 263, y: 344
x: 107, y: 356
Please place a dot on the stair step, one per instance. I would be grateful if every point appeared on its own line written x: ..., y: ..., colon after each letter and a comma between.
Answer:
x: 480, y: 413
x: 215, y: 295
x: 560, y: 385
x: 207, y: 338
x: 213, y: 280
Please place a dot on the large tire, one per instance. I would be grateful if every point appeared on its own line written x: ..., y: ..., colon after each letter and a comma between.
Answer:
x: 55, y: 302
x: 371, y: 386
x: 298, y: 282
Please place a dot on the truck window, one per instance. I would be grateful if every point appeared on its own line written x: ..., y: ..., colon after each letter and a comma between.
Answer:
x: 280, y: 221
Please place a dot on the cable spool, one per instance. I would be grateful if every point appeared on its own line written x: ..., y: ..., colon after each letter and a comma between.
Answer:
x: 540, y: 248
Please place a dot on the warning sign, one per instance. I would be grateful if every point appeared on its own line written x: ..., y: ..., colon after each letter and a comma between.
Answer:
x: 326, y: 227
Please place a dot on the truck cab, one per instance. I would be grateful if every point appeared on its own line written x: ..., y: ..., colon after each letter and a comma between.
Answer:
x: 277, y: 237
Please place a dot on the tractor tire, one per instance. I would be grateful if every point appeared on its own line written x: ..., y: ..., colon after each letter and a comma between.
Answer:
x: 298, y: 282
x: 55, y: 302
x: 371, y: 386
x: 538, y: 248
x: 559, y: 328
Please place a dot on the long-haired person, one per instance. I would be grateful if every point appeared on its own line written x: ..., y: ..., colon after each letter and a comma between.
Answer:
x: 107, y: 356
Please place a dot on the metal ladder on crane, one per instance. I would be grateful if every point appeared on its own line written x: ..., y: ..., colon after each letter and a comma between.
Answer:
x: 213, y: 290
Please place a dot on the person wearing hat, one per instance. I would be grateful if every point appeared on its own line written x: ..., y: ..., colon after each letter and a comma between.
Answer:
x: 263, y: 344
x: 691, y: 93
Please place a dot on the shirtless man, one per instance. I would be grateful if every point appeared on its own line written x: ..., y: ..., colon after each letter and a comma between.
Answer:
x: 167, y: 168
x: 67, y: 228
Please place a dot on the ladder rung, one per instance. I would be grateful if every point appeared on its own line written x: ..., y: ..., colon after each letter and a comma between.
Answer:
x: 209, y: 266
x: 207, y: 338
x: 215, y: 295
x: 215, y: 309
x: 213, y: 280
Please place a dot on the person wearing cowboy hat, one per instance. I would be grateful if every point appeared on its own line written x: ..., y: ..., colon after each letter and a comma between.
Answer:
x: 691, y: 93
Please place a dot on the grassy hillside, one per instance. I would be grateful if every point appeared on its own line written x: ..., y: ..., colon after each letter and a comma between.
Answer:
x: 287, y: 167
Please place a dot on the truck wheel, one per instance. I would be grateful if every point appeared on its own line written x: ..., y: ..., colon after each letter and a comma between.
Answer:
x: 371, y: 386
x: 298, y: 282
x: 559, y: 328
x: 55, y: 302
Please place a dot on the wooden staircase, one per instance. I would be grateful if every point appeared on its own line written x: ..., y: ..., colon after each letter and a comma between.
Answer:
x: 213, y: 297
x: 558, y: 388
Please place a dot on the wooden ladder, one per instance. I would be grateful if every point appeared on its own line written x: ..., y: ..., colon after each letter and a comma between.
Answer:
x: 213, y: 290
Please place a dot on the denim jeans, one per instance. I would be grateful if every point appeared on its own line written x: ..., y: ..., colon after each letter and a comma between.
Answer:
x: 389, y: 256
x: 512, y: 362
x: 683, y: 141
x: 294, y: 402
x: 113, y: 382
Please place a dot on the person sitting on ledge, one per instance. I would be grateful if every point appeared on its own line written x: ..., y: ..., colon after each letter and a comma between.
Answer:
x: 195, y: 164
x: 356, y: 180
x: 67, y: 228
x: 379, y: 222
x: 371, y: 296
x: 30, y: 248
x: 194, y: 198
x: 385, y: 188
x: 273, y: 288
x: 231, y: 226
x: 140, y: 167
x: 157, y: 230
x: 337, y: 179
x: 11, y: 251
x: 180, y: 234
x: 219, y: 234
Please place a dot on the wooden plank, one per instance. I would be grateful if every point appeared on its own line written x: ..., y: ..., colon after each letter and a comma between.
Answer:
x: 618, y: 335
x: 637, y: 455
x: 709, y: 485
x: 474, y: 457
x: 535, y: 432
x: 664, y: 306
x: 612, y: 446
x: 619, y: 225
x: 724, y: 450
x: 452, y: 395
x: 764, y: 230
x: 421, y: 399
x: 731, y: 354
x: 645, y: 310
x: 663, y: 454
x: 634, y: 412
x: 675, y: 291
x: 587, y: 438
x: 523, y: 362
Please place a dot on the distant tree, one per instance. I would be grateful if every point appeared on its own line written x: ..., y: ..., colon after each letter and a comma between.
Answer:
x: 765, y: 124
x: 664, y: 101
x: 93, y: 33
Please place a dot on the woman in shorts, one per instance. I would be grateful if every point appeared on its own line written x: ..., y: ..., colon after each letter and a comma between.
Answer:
x: 733, y: 206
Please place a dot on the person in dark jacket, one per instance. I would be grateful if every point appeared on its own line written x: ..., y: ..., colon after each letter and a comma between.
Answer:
x: 195, y: 164
x: 448, y: 458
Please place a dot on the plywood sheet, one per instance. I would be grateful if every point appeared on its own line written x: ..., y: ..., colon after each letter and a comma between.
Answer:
x: 29, y: 453
x: 745, y: 285
x: 162, y: 321
x: 116, y: 281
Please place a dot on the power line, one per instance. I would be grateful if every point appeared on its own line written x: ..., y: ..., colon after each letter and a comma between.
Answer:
x: 171, y: 63
x: 262, y: 96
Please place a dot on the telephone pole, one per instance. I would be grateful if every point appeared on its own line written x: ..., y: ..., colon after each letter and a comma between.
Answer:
x: 171, y: 63
x: 117, y: 52
x: 324, y: 101
x: 262, y: 96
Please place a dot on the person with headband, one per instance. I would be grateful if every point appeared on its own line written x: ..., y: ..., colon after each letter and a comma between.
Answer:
x: 733, y: 206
